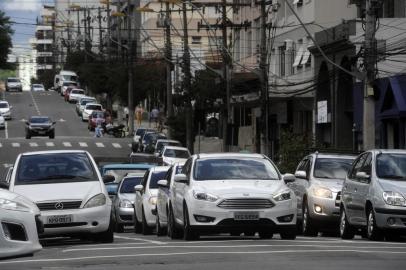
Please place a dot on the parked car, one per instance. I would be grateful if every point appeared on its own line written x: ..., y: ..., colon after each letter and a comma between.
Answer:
x: 319, y: 180
x: 89, y: 108
x: 39, y: 126
x: 14, y: 84
x: 94, y: 118
x: 20, y: 224
x: 149, y: 140
x: 66, y: 85
x: 374, y: 196
x: 64, y: 78
x: 120, y: 170
x: 80, y: 105
x: 139, y: 133
x: 161, y: 143
x: 37, y: 87
x: 75, y: 95
x: 2, y: 122
x: 173, y: 154
x: 67, y: 93
x: 231, y: 193
x: 123, y: 202
x: 68, y: 190
x: 5, y: 109
x: 163, y: 198
x: 145, y: 199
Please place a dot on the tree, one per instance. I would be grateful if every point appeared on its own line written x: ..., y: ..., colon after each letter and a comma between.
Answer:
x: 5, y: 39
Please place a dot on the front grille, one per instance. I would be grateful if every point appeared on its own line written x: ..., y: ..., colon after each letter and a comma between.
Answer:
x: 15, y: 232
x: 245, y: 203
x: 338, y: 199
x: 126, y: 217
x: 59, y: 205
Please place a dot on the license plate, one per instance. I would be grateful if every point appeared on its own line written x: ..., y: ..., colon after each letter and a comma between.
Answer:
x: 59, y: 219
x: 41, y: 132
x: 246, y: 216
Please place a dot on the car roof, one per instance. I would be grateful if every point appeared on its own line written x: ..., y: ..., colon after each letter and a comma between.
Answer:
x: 229, y: 154
x: 67, y: 72
x: 39, y: 117
x: 397, y: 151
x: 175, y: 147
x: 167, y: 140
x: 334, y: 155
x: 3, y: 101
x: 53, y: 152
x: 127, y: 166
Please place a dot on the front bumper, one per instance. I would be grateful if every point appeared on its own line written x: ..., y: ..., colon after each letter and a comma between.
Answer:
x: 40, y: 132
x: 84, y: 220
x: 330, y: 209
x: 125, y: 215
x: 391, y: 218
x: 6, y: 115
x: 85, y: 116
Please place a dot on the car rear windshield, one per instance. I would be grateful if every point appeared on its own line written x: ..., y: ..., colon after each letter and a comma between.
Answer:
x: 155, y: 177
x: 235, y: 169
x: 13, y: 80
x: 141, y: 131
x: 120, y: 173
x: 391, y: 166
x: 94, y: 107
x: 54, y: 168
x: 81, y: 92
x: 40, y: 120
x: 3, y: 105
x: 85, y: 101
x: 332, y: 168
x: 129, y: 183
x: 161, y: 145
x: 176, y: 153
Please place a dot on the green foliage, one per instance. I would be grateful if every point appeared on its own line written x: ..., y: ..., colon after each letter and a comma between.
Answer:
x: 177, y: 126
x: 206, y: 88
x: 4, y: 73
x: 5, y: 39
x: 46, y: 78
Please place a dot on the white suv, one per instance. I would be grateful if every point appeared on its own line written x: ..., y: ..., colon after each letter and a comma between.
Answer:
x: 231, y: 193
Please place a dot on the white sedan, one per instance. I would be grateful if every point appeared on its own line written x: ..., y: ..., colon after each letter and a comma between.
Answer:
x: 2, y: 122
x: 89, y: 108
x: 20, y: 224
x: 173, y: 154
x: 76, y: 94
x: 5, y: 109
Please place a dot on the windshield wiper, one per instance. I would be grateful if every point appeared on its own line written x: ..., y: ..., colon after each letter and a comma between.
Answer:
x: 392, y: 176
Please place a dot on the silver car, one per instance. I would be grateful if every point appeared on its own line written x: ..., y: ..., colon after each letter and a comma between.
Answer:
x: 319, y: 179
x: 374, y: 196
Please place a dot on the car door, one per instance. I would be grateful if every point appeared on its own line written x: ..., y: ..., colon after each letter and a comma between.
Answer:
x: 300, y: 185
x: 139, y: 196
x: 163, y: 195
x: 180, y: 189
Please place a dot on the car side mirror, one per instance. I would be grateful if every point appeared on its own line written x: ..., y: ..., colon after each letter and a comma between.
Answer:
x: 363, y: 176
x: 27, y: 123
x: 163, y: 183
x: 181, y: 178
x: 288, y: 178
x: 108, y: 178
x: 4, y: 185
x: 301, y: 174
x: 138, y: 188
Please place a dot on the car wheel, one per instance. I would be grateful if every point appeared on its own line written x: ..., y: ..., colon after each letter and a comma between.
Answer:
x: 249, y: 233
x: 145, y: 228
x: 265, y: 234
x: 83, y: 120
x: 288, y: 234
x: 308, y: 227
x: 346, y: 230
x: 52, y: 135
x: 137, y: 224
x: 27, y: 136
x: 373, y: 232
x: 134, y: 147
x: 107, y: 236
x: 119, y: 228
x: 188, y: 232
x: 173, y: 232
x: 160, y: 231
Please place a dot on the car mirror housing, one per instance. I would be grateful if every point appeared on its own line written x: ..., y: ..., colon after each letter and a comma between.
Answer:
x: 288, y: 178
x: 108, y: 178
x: 181, y: 178
x: 163, y: 183
x: 138, y: 188
x: 301, y: 174
x: 363, y: 176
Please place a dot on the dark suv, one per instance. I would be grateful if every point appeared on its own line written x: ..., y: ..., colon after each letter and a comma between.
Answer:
x: 40, y: 126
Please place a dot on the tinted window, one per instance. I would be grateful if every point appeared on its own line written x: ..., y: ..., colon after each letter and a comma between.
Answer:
x: 332, y: 168
x: 234, y: 169
x: 54, y: 168
x: 13, y: 80
x: 176, y: 153
x: 94, y: 107
x: 85, y: 101
x: 69, y: 83
x: 358, y: 165
x: 39, y: 120
x: 155, y: 177
x: 391, y: 166
x: 3, y: 105
x: 120, y: 173
x: 78, y: 92
x: 129, y: 183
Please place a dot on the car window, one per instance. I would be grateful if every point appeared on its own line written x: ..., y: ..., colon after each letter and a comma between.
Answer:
x: 145, y: 178
x: 366, y: 167
x: 357, y: 166
x: 120, y: 173
x: 331, y: 168
x: 168, y: 175
x: 54, y: 168
x: 155, y: 177
x: 176, y: 153
x: 391, y: 166
x: 3, y: 105
x: 40, y: 120
x: 234, y: 169
x: 187, y: 167
x: 128, y: 184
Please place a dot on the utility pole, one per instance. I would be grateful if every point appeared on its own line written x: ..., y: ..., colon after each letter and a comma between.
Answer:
x: 85, y: 32
x: 108, y: 30
x: 119, y: 49
x: 69, y: 34
x: 368, y: 133
x: 131, y: 46
x: 79, y: 31
x: 187, y: 82
x: 99, y: 17
x: 169, y: 67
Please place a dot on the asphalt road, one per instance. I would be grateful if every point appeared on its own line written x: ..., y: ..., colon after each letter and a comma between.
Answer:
x: 131, y: 251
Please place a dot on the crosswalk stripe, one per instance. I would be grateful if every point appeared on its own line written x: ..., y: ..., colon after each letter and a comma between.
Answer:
x: 99, y: 144
x: 15, y: 144
x: 50, y: 144
x: 1, y: 145
x: 67, y: 144
x: 116, y: 145
x: 33, y: 144
x: 83, y: 144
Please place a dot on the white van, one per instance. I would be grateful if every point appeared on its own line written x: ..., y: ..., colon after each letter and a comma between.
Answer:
x: 65, y: 76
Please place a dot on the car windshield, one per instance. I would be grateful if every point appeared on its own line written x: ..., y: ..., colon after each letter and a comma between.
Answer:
x: 38, y: 85
x: 120, y: 173
x: 391, y: 166
x: 176, y: 153
x: 332, y: 168
x: 93, y: 107
x: 13, y: 80
x: 161, y: 145
x: 235, y: 169
x: 3, y: 105
x: 80, y: 92
x: 129, y: 183
x: 69, y: 84
x: 40, y: 120
x: 155, y: 177
x: 98, y: 115
x: 54, y: 168
x: 70, y: 78
x: 85, y: 101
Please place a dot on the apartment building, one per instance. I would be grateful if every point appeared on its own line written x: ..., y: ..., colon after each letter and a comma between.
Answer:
x: 27, y: 68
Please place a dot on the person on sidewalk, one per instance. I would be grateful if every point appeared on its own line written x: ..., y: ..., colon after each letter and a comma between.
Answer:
x: 138, y: 114
x: 154, y: 117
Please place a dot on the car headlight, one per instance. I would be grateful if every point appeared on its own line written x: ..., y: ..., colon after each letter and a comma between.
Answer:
x: 125, y: 204
x: 98, y: 200
x: 283, y: 196
x: 394, y: 198
x: 12, y: 205
x: 203, y: 196
x: 152, y: 200
x: 322, y: 192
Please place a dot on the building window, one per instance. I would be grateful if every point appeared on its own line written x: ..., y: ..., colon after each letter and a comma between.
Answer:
x: 306, y: 59
x: 196, y: 40
x: 282, y: 57
x: 299, y: 53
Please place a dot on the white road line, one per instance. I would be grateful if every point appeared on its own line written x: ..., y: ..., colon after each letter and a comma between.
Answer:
x: 116, y: 145
x: 33, y: 144
x: 35, y: 104
x: 83, y: 144
x: 15, y: 144
x: 1, y: 145
x: 67, y: 144
x: 99, y: 144
x: 50, y: 144
x: 5, y: 130
x: 116, y: 256
x: 141, y: 239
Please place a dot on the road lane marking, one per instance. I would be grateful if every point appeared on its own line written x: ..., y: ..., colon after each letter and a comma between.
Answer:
x: 67, y: 144
x: 141, y: 239
x: 1, y: 145
x: 83, y: 144
x: 15, y: 144
x: 35, y: 103
x: 99, y: 144
x: 117, y: 256
x: 6, y: 130
x: 116, y: 145
x: 33, y: 144
x: 50, y: 144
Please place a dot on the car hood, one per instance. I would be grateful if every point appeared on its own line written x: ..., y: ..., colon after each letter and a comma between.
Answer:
x: 240, y: 188
x: 5, y: 194
x: 334, y: 185
x: 393, y: 185
x: 59, y: 191
x: 127, y: 196
x: 2, y: 110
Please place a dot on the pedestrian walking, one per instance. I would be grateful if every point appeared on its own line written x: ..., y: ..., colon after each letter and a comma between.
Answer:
x: 98, y: 131
x: 153, y: 117
x: 138, y: 114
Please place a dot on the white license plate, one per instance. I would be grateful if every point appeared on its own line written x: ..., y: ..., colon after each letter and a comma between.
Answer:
x: 246, y: 216
x: 41, y: 132
x: 59, y: 219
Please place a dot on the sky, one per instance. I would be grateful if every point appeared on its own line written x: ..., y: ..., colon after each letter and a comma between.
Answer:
x: 24, y: 13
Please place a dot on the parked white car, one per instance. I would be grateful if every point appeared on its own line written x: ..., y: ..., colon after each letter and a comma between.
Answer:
x: 20, y: 224
x: 5, y: 109
x: 69, y: 191
x: 89, y: 108
x: 173, y: 154
x: 81, y: 104
x: 37, y: 87
x: 145, y: 199
x: 163, y: 198
x: 75, y: 95
x: 231, y: 193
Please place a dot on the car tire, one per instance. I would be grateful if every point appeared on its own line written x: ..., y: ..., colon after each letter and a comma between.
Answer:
x: 249, y: 233
x: 146, y: 230
x: 119, y: 228
x: 28, y: 136
x: 134, y: 147
x: 189, y: 234
x: 346, y: 230
x: 265, y: 234
x: 52, y: 135
x: 288, y: 234
x: 373, y: 232
x: 173, y: 232
x: 308, y: 227
x: 160, y: 231
x: 137, y: 224
x: 106, y: 236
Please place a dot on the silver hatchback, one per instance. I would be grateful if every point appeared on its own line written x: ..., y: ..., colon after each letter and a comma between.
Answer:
x: 374, y: 196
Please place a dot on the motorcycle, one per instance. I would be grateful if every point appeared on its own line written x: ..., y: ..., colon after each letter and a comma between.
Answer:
x: 116, y: 131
